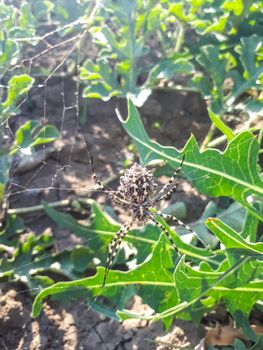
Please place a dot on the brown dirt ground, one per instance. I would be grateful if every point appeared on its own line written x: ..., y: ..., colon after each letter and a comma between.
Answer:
x: 75, y: 328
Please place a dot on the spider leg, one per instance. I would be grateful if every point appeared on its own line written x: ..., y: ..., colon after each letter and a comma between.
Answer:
x: 118, y: 201
x: 152, y: 218
x: 114, y: 247
x: 162, y: 193
x: 169, y: 193
x: 180, y: 223
x: 115, y: 196
x: 96, y: 179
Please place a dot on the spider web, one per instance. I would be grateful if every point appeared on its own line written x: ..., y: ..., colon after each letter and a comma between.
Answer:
x: 56, y: 173
x: 37, y: 94
x: 40, y: 176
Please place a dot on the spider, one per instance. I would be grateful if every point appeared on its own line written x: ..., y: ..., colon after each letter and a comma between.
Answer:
x: 137, y: 193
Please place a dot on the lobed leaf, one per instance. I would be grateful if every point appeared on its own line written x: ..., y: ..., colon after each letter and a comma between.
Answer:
x: 30, y: 134
x: 194, y: 288
x: 18, y: 85
x: 153, y: 272
x: 103, y: 228
x: 230, y: 173
x: 232, y: 239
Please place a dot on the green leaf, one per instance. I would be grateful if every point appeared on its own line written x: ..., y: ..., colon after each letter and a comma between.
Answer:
x: 250, y: 226
x: 167, y: 69
x: 46, y: 134
x: 232, y: 216
x: 178, y: 10
x: 240, y: 298
x: 259, y: 343
x: 29, y: 260
x: 8, y: 52
x: 32, y: 134
x: 99, y: 233
x: 250, y: 46
x: 194, y: 285
x: 189, y: 250
x: 5, y: 163
x: 24, y: 134
x: 218, y: 122
x: 153, y: 272
x: 26, y: 259
x: 252, y: 65
x: 102, y: 309
x: 254, y: 108
x: 81, y: 258
x: 232, y: 239
x: 209, y: 58
x: 18, y: 85
x: 243, y: 323
x: 233, y: 5
x: 202, y: 84
x: 238, y: 345
x: 230, y: 173
x: 14, y: 226
x: 218, y: 26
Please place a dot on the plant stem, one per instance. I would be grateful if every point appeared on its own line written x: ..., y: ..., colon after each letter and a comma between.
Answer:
x: 260, y: 136
x: 39, y: 207
x: 177, y: 88
x: 208, y: 137
x: 181, y: 307
x: 132, y: 40
x: 62, y: 203
x: 219, y: 140
x: 180, y: 37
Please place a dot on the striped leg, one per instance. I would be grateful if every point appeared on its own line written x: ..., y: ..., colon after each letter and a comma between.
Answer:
x: 96, y: 179
x: 118, y: 201
x: 115, y: 196
x: 152, y: 218
x: 169, y: 193
x: 113, y: 249
x: 170, y: 182
x: 180, y: 223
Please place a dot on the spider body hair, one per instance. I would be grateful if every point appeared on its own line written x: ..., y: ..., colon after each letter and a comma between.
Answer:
x: 137, y: 186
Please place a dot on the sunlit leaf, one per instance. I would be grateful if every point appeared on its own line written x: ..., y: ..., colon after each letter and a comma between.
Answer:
x: 221, y: 125
x: 18, y: 85
x: 232, y: 173
x: 232, y: 239
x: 153, y: 272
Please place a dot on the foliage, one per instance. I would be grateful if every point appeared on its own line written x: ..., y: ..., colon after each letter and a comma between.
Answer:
x: 18, y: 28
x: 28, y: 135
x: 232, y: 274
x: 235, y: 169
x: 214, y: 48
x: 208, y: 281
x: 124, y: 56
x: 216, y: 45
x: 26, y: 257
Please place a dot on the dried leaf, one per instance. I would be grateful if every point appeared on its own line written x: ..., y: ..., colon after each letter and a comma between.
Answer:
x: 223, y: 335
x: 257, y: 328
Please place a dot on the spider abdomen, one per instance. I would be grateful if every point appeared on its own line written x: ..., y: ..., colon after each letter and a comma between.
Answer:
x: 140, y: 212
x: 137, y: 185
